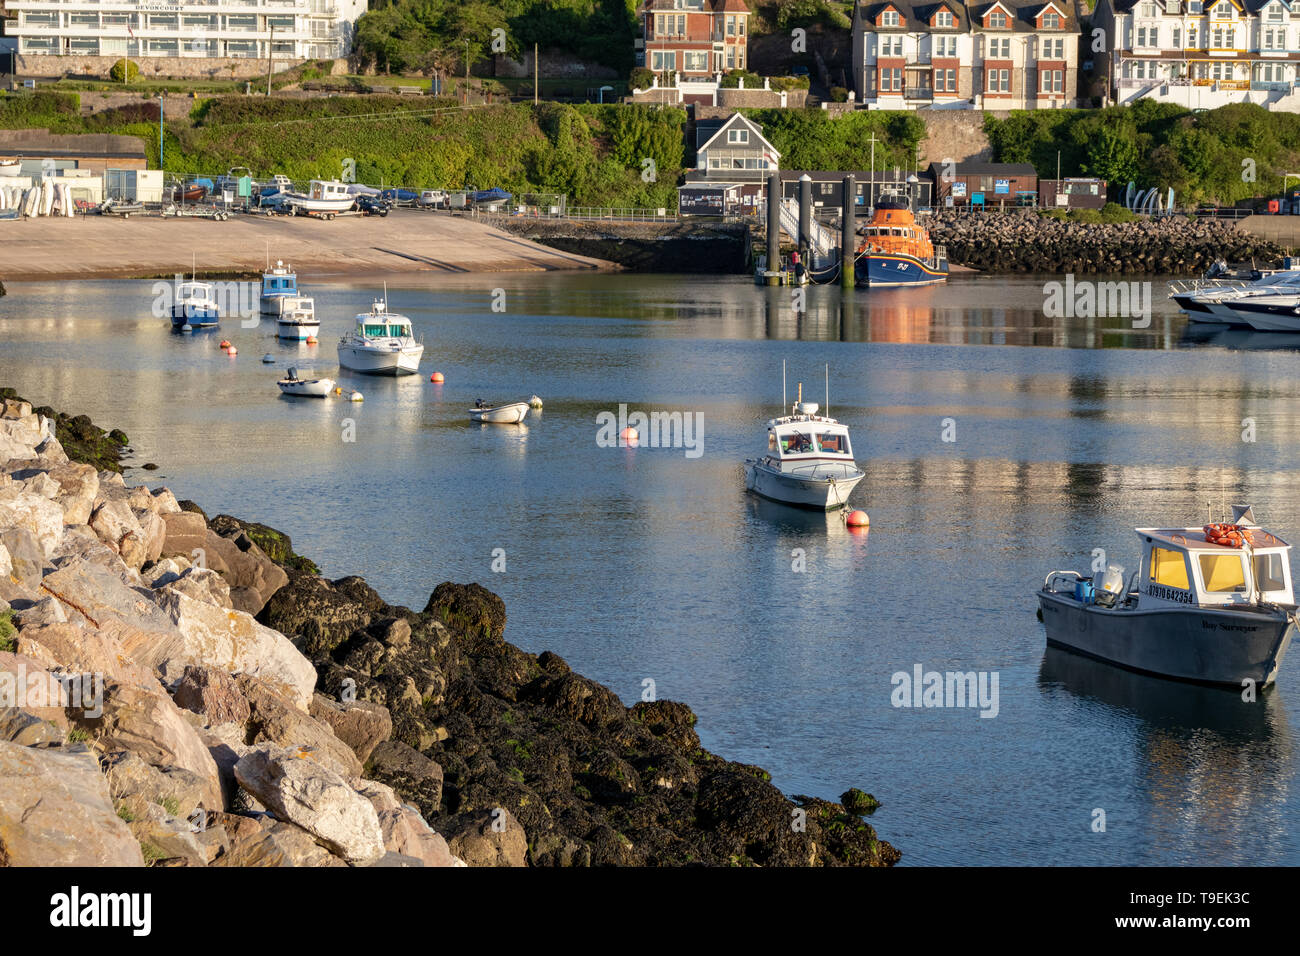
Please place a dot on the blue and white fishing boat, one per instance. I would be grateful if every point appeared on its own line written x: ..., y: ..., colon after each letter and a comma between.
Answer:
x: 195, y: 306
x: 279, y: 289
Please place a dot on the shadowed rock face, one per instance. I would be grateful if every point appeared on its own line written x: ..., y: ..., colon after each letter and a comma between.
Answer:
x: 520, y: 740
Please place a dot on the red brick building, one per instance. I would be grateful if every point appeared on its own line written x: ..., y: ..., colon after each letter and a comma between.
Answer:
x: 694, y: 38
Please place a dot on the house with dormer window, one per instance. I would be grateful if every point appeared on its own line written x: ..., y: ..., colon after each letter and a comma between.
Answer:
x: 1202, y: 54
x: 734, y: 150
x: 939, y: 54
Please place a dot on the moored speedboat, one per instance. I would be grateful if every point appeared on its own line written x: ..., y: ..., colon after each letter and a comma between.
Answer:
x: 511, y: 414
x: 297, y: 321
x: 195, y: 306
x: 897, y: 250
x: 291, y: 384
x: 809, y: 461
x: 279, y: 286
x: 381, y: 344
x: 1213, y: 605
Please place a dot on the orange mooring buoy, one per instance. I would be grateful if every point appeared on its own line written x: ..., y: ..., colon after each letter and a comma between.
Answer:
x: 232, y: 351
x: 311, y: 340
x: 629, y: 436
x: 857, y: 519
x: 437, y: 378
x: 225, y: 343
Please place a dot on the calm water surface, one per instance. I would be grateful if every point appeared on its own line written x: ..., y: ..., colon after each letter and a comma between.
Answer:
x: 643, y: 563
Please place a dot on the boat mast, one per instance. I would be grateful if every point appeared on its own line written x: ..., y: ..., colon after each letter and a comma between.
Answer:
x: 782, y: 386
x: 827, y: 412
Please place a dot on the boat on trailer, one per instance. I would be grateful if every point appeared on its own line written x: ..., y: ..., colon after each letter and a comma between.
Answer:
x: 326, y: 197
x: 809, y: 461
x: 1211, y: 605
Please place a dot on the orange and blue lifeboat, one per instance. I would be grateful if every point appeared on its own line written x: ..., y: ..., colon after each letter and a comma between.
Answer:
x: 896, y: 250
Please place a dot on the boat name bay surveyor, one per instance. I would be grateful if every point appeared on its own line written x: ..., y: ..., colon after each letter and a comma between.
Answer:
x: 653, y: 429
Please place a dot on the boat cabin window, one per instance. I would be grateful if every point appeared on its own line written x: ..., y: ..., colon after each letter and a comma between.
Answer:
x: 1269, y: 575
x: 376, y: 330
x: 796, y: 443
x: 835, y: 444
x: 1223, y: 572
x: 1169, y: 568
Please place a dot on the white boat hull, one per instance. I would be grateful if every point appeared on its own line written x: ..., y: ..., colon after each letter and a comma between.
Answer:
x: 278, y: 304
x: 825, y: 487
x: 313, y: 388
x: 296, y: 331
x: 380, y: 361
x: 500, y: 414
x: 307, y: 204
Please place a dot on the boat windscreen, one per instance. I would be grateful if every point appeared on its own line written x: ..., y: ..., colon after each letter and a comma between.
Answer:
x: 1223, y: 572
x: 1269, y: 575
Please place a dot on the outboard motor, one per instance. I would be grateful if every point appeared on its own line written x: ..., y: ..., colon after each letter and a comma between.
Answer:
x: 1108, y: 585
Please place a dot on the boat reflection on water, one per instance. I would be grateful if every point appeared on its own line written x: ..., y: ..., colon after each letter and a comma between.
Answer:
x: 1228, y: 337
x: 801, y: 522
x: 1212, y: 767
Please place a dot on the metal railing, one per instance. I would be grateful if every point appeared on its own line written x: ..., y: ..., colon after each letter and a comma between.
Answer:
x: 619, y: 213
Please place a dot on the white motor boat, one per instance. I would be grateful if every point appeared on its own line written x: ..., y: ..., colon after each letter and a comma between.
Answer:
x: 279, y: 286
x: 1268, y: 302
x: 511, y: 414
x: 326, y: 197
x: 1212, y: 605
x: 381, y: 344
x: 809, y: 461
x: 195, y: 306
x: 291, y: 384
x: 298, y: 319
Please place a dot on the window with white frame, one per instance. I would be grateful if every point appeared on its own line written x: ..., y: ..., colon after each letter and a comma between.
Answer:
x: 945, y: 81
x: 1221, y: 38
x: 1173, y: 7
x: 695, y: 62
x: 1223, y: 11
x: 1191, y: 37
x: 1274, y: 13
x: 1194, y: 7
x: 1178, y: 38
x: 1271, y: 72
x: 889, y: 18
x: 1273, y: 39
x: 890, y: 46
x: 1147, y: 10
x: 738, y: 136
x: 1051, y: 20
x: 997, y: 20
x: 661, y: 61
x: 999, y: 48
x: 1052, y: 48
x: 943, y: 19
x: 997, y: 81
x: 891, y: 80
x: 944, y: 45
x: 1146, y: 37
x: 1051, y: 81
x: 1221, y: 71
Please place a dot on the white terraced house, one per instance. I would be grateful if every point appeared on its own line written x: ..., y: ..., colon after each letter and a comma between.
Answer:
x: 945, y: 54
x: 287, y: 29
x: 1202, y: 54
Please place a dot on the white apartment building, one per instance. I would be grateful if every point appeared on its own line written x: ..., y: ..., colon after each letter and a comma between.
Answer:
x: 214, y: 29
x: 942, y: 54
x: 1202, y: 53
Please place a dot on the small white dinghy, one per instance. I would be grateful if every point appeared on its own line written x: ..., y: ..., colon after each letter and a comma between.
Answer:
x: 291, y: 384
x: 511, y: 414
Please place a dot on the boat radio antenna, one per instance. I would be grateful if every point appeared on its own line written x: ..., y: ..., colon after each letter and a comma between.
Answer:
x: 827, y: 413
x: 783, y: 386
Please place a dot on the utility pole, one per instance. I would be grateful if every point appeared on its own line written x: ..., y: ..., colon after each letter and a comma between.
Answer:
x: 160, y: 131
x: 467, y: 73
x: 871, y: 189
x: 537, y: 69
x: 270, y: 59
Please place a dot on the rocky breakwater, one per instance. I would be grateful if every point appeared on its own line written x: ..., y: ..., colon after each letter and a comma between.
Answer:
x: 204, y: 697
x: 1029, y: 242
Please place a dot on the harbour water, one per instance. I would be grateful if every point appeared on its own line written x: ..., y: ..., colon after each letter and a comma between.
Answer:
x: 649, y: 564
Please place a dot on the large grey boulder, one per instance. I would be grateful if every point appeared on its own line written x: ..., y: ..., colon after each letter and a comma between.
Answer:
x: 277, y: 719
x: 41, y: 516
x: 315, y: 798
x: 361, y: 725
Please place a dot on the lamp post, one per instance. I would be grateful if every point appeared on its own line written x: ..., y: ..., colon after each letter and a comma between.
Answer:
x: 160, y: 130
x: 602, y: 92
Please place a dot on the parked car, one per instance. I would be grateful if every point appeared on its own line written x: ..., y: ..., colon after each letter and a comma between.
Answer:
x: 799, y: 71
x: 433, y: 198
x: 372, y: 205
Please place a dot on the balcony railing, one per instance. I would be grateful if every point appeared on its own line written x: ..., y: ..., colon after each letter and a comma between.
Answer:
x: 918, y: 93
